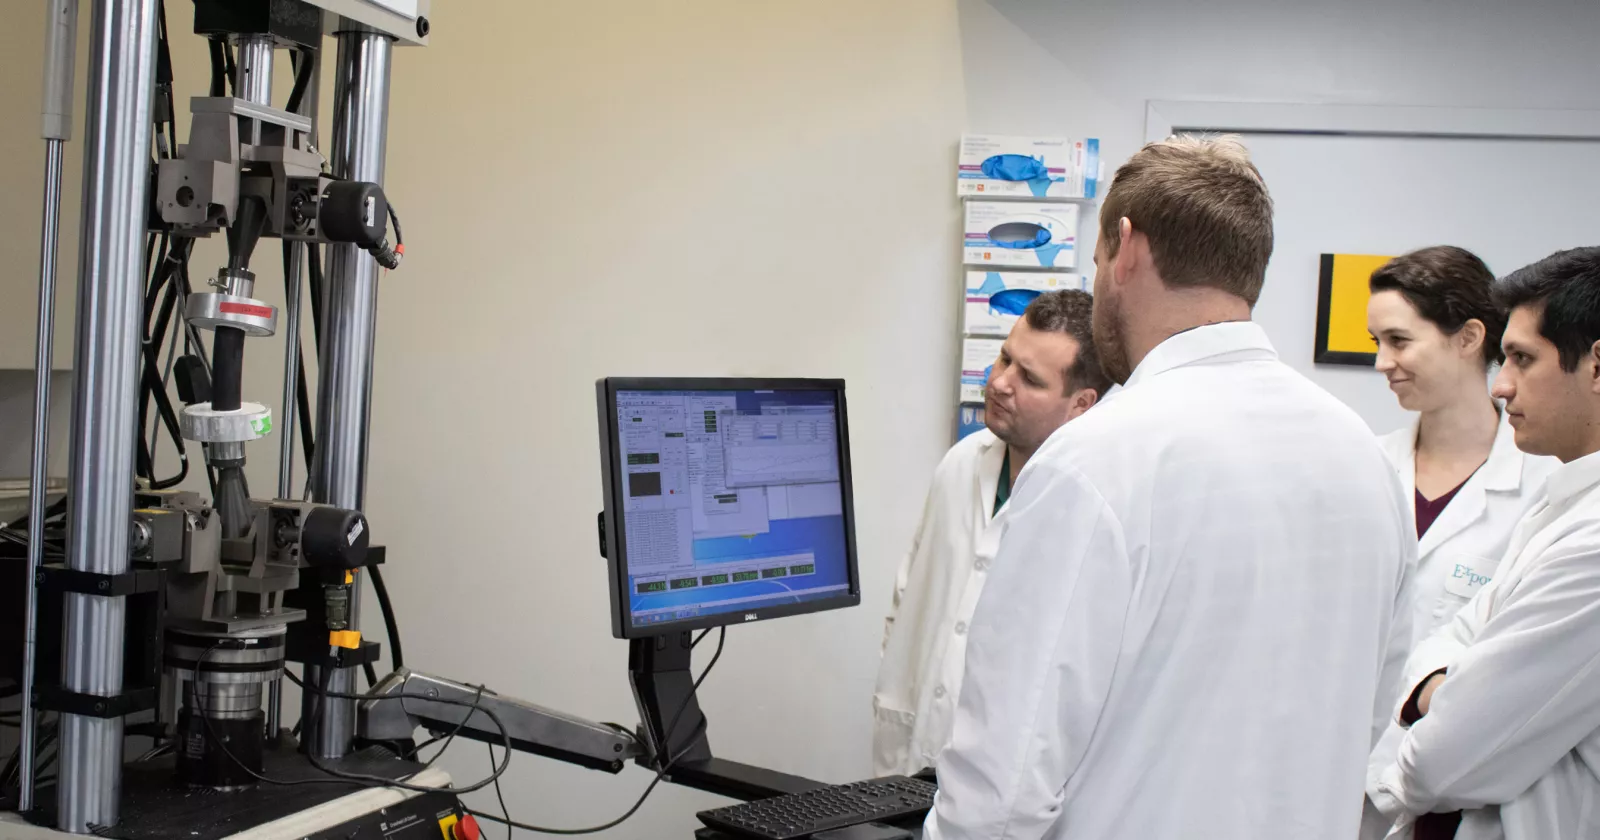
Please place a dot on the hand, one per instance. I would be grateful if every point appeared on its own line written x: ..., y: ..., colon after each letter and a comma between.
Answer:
x: 1425, y: 697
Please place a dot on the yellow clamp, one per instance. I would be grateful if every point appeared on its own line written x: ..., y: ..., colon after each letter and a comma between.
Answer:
x: 349, y: 576
x: 345, y: 638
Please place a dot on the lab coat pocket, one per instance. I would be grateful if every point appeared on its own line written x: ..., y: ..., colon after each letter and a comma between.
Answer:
x: 891, y: 738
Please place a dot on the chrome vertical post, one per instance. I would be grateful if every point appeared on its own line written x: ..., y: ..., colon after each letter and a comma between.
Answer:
x: 344, y: 394
x: 61, y: 42
x: 105, y: 393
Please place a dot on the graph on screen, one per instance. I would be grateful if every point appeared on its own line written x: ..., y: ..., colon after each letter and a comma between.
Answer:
x: 780, y: 447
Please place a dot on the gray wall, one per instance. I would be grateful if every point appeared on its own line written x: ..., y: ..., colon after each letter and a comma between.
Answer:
x: 1089, y: 68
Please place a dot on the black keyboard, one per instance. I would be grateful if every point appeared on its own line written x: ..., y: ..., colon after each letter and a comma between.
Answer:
x: 803, y: 814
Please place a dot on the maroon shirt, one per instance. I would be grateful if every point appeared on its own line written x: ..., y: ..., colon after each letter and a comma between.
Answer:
x: 1435, y: 826
x: 1428, y: 511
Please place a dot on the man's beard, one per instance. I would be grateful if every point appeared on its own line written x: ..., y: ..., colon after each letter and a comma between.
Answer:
x: 1108, y: 339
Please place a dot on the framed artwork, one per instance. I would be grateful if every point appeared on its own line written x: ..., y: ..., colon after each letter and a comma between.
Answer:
x: 1342, y: 337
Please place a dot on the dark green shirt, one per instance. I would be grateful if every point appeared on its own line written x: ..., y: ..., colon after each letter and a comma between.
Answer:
x: 1002, y: 491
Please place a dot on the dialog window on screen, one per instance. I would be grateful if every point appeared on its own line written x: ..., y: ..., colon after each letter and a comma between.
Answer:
x: 731, y: 500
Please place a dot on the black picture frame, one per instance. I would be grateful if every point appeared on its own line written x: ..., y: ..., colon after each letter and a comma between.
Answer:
x: 1320, y: 353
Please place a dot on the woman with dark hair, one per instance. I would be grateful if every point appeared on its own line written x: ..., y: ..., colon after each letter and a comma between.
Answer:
x: 1438, y: 333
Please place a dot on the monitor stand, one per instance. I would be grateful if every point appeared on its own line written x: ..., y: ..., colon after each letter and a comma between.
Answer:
x: 658, y: 667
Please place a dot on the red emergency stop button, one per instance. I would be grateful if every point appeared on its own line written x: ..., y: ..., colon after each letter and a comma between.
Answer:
x: 467, y: 828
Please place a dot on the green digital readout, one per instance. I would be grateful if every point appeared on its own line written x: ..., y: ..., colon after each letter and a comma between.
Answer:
x: 775, y: 573
x: 713, y: 580
x: 685, y: 583
x: 803, y: 570
x: 651, y: 586
x: 741, y: 577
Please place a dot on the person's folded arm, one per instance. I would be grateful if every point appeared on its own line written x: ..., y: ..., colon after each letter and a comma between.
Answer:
x: 1043, y: 649
x: 1516, y: 700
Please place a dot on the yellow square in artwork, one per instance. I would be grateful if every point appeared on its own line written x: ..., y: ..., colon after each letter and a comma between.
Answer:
x: 1342, y: 294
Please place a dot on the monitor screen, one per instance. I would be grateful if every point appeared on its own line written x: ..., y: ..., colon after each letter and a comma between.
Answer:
x: 727, y: 501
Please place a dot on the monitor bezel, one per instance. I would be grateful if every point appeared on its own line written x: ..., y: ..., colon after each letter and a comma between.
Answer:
x: 622, y: 625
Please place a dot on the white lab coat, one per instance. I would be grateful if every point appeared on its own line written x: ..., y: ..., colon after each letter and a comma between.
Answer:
x: 1460, y: 553
x: 1463, y: 548
x: 1513, y: 734
x: 1196, y: 619
x: 936, y: 590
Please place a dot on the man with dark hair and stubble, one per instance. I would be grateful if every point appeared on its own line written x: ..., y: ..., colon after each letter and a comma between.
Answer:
x: 1196, y: 615
x: 1503, y: 703
x: 1047, y: 375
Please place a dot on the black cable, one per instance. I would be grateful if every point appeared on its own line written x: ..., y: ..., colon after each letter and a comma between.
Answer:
x: 57, y: 508
x: 308, y: 444
x: 394, y: 218
x: 339, y: 777
x: 397, y: 659
x: 322, y: 691
x: 370, y: 673
x: 219, y: 69
x: 151, y: 381
x: 231, y: 69
x: 303, y: 60
x: 379, y: 781
x: 169, y: 418
x: 302, y: 390
x: 164, y: 72
x: 314, y: 288
x: 500, y: 795
x: 13, y: 768
x: 171, y: 257
x: 660, y: 774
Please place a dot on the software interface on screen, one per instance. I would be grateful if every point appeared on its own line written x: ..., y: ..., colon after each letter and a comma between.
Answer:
x: 731, y: 501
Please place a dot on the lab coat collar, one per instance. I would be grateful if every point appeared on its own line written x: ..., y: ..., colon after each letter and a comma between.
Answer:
x: 1203, y: 343
x: 1503, y: 470
x: 991, y: 456
x: 1573, y: 478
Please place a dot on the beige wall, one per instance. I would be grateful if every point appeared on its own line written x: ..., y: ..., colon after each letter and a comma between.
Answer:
x: 714, y: 187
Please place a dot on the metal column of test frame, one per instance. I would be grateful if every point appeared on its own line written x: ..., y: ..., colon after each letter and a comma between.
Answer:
x: 360, y: 127
x: 105, y: 389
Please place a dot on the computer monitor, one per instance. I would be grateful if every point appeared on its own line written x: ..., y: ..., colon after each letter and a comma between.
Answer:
x: 726, y: 501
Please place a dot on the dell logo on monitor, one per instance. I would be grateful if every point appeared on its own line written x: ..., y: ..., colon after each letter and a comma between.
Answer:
x: 751, y: 616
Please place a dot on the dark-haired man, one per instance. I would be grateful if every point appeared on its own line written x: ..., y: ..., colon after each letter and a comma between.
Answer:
x: 1047, y: 374
x: 1503, y: 703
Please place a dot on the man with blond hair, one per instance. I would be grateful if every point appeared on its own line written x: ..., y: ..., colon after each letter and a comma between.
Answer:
x: 1195, y: 624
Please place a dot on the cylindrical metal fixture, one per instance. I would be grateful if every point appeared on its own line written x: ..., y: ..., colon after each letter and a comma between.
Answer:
x: 60, y: 48
x: 344, y: 400
x: 220, y: 679
x: 38, y: 468
x: 105, y: 393
x: 254, y: 79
